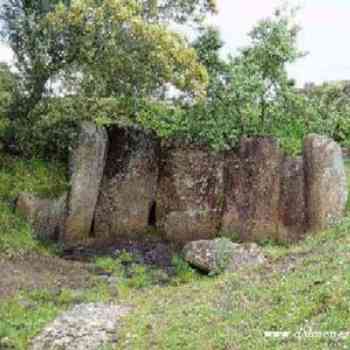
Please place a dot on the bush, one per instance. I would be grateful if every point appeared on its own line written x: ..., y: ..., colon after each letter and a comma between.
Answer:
x: 52, y: 129
x: 35, y: 176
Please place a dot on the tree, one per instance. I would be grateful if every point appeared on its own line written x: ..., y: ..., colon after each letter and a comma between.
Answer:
x: 125, y: 45
x: 7, y: 88
x: 38, y: 55
x: 254, y: 94
x: 112, y: 48
x: 260, y: 82
x: 7, y: 91
x: 329, y: 105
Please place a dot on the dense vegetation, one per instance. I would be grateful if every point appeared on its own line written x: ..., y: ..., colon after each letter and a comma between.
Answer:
x: 122, y: 62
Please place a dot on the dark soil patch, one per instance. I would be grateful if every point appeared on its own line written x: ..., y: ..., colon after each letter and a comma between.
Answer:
x: 152, y: 252
x: 73, y: 269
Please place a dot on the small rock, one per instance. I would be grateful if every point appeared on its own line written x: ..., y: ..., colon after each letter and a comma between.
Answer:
x: 218, y: 255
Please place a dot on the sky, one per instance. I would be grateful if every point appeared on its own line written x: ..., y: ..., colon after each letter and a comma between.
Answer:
x: 325, y: 34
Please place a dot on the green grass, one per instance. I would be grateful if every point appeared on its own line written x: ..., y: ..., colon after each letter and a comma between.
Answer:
x: 22, y: 317
x: 306, y: 286
x: 133, y: 276
x: 232, y: 311
x: 18, y: 175
x: 16, y: 236
x: 35, y: 176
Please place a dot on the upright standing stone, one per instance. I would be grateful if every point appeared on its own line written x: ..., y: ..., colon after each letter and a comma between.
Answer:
x: 129, y: 185
x: 292, y: 200
x: 190, y: 194
x: 326, y: 185
x: 253, y: 190
x: 231, y: 220
x: 87, y: 162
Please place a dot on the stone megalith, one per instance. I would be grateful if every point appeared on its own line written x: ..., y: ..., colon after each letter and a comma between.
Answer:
x: 252, y: 193
x: 326, y: 185
x: 292, y: 200
x: 129, y: 185
x: 47, y: 216
x: 87, y: 162
x: 231, y: 219
x: 190, y: 192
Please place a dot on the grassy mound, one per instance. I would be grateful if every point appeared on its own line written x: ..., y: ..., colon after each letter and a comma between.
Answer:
x: 18, y: 175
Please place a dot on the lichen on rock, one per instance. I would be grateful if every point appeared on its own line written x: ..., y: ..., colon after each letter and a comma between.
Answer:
x: 219, y: 255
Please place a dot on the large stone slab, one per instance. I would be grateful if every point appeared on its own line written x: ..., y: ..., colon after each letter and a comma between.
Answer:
x: 326, y: 185
x: 129, y: 185
x: 252, y: 189
x: 190, y: 192
x: 87, y: 163
x: 85, y: 327
x: 231, y: 219
x: 47, y: 216
x: 292, y: 200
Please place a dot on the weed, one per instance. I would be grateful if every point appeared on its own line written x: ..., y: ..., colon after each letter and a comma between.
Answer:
x: 184, y: 273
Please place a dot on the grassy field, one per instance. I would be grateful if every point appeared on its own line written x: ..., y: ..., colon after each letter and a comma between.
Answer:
x: 304, y: 287
x: 308, y: 288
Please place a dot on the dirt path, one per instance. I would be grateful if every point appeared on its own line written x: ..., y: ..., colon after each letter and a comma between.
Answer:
x: 44, y: 272
x: 75, y: 269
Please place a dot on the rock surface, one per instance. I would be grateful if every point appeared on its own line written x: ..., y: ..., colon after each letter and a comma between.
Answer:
x: 326, y: 183
x: 218, y: 255
x: 190, y: 192
x: 252, y: 189
x: 85, y: 327
x: 47, y: 216
x: 129, y: 185
x: 87, y: 162
x: 292, y: 200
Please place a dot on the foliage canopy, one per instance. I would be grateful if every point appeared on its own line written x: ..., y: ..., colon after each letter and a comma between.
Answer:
x: 116, y: 61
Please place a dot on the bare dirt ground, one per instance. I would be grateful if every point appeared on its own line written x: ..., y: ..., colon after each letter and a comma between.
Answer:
x: 75, y: 269
x: 41, y: 272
